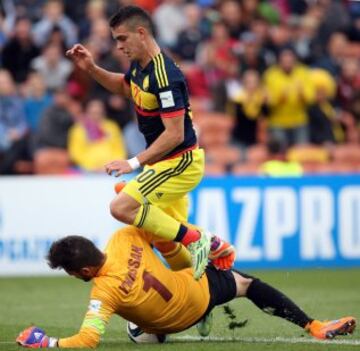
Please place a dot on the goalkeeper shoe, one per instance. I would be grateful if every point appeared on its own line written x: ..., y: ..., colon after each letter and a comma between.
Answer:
x: 205, y: 325
x: 199, y: 251
x: 222, y: 254
x: 331, y: 329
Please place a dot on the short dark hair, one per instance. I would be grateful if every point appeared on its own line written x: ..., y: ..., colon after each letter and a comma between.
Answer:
x: 73, y: 253
x: 133, y: 16
x: 276, y: 146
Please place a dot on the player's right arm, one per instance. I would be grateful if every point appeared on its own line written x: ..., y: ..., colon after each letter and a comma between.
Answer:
x: 92, y: 328
x: 114, y: 82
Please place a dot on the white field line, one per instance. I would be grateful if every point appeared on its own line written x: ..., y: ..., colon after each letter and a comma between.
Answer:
x: 282, y: 340
x: 256, y: 340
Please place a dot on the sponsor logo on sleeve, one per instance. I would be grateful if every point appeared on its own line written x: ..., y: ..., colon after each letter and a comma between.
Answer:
x: 167, y: 99
x: 94, y: 306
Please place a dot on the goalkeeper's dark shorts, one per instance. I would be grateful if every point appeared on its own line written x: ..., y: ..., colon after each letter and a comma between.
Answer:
x: 222, y: 287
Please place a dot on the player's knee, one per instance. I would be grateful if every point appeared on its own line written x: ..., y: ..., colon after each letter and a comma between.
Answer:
x: 120, y: 211
x: 242, y: 284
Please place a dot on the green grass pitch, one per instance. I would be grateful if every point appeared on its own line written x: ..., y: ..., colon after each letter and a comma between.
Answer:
x: 58, y: 304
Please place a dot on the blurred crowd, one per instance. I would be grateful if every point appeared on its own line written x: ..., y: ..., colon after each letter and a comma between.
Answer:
x: 274, y: 85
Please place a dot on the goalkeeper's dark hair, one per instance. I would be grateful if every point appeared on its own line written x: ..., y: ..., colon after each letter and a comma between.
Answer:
x: 133, y: 16
x: 73, y: 253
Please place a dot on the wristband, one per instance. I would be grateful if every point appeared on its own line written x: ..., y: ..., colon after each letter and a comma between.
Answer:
x: 53, y: 342
x: 134, y: 163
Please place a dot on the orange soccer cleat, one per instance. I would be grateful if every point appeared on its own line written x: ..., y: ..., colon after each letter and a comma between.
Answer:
x: 119, y: 186
x: 331, y: 329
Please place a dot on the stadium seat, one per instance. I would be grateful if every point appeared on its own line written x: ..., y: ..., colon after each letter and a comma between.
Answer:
x: 214, y: 129
x: 344, y: 167
x: 335, y: 168
x: 319, y: 168
x: 208, y: 139
x: 51, y: 161
x: 246, y: 169
x: 346, y: 153
x: 257, y: 154
x: 215, y: 169
x: 223, y: 155
x: 214, y: 121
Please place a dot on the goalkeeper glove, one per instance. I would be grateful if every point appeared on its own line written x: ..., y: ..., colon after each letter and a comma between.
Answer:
x: 35, y: 338
x: 222, y: 254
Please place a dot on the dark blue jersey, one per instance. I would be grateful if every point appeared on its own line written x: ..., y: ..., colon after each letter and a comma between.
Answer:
x: 159, y: 91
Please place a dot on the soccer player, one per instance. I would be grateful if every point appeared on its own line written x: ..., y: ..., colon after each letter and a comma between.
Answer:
x: 130, y: 280
x: 156, y: 200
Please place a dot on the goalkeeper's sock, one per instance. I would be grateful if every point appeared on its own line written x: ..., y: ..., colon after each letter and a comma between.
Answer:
x: 155, y: 220
x: 178, y: 258
x: 273, y: 302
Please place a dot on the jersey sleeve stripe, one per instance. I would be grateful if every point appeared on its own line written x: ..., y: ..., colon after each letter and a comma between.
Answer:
x: 162, y: 64
x: 160, y: 175
x: 176, y: 113
x: 143, y: 215
x: 178, y: 171
x: 184, y: 163
x: 161, y: 74
x: 158, y: 73
x: 173, y: 253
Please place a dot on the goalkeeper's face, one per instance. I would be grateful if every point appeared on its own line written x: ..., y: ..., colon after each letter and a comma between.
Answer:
x: 85, y: 274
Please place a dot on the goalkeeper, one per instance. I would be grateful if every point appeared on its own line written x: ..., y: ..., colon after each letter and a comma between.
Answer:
x: 130, y: 280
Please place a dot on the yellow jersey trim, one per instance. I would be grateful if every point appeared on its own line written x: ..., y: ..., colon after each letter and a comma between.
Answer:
x: 160, y: 71
x: 162, y: 65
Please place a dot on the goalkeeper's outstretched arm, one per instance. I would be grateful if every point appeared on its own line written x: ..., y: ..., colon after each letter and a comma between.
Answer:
x: 92, y: 328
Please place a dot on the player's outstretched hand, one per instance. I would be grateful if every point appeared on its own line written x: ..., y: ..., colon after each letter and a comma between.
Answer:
x: 81, y: 57
x: 118, y: 168
x: 222, y: 254
x: 226, y: 262
x: 35, y: 338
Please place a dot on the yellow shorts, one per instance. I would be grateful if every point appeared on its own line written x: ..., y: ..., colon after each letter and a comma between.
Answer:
x: 166, y: 183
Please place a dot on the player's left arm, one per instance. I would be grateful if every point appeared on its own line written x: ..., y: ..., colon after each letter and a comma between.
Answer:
x: 169, y: 139
x: 172, y: 110
x: 172, y: 136
x: 172, y: 107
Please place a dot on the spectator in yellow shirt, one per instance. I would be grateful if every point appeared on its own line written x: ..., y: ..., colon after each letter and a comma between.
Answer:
x: 94, y: 140
x: 289, y: 91
x: 248, y: 107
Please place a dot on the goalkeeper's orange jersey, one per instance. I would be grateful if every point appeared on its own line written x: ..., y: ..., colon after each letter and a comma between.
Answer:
x: 136, y: 285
